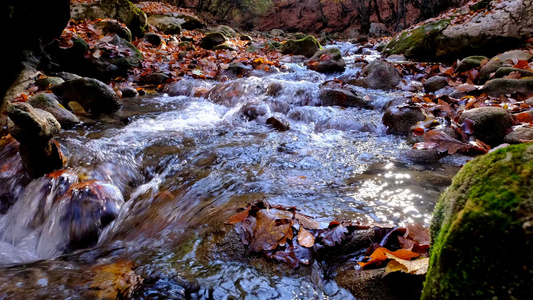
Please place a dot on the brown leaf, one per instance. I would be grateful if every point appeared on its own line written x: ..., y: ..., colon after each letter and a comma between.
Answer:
x: 418, y: 233
x: 305, y: 238
x: 269, y: 233
x: 306, y: 222
x: 521, y: 64
x: 464, y: 88
x: 442, y: 142
x: 240, y: 216
x: 524, y: 117
x: 335, y: 234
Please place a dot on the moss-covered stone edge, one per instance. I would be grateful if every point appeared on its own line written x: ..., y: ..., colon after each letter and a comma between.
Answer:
x: 480, y: 248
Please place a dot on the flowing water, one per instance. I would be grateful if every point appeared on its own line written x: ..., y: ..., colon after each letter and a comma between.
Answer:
x: 179, y: 166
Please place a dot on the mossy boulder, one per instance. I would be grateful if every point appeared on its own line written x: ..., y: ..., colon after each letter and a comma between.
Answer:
x: 503, y: 86
x: 48, y: 102
x: 165, y: 24
x: 501, y: 72
x: 105, y: 65
x: 109, y: 26
x: 307, y: 46
x: 482, y: 230
x: 121, y: 10
x: 470, y: 62
x: 212, y: 39
x: 418, y: 42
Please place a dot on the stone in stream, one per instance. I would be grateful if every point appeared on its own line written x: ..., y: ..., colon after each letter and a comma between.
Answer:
x: 470, y: 62
x: 504, y: 71
x: 47, y: 83
x: 104, y: 65
x: 254, y: 109
x: 491, y: 124
x: 48, y: 102
x: 279, y: 123
x: 327, y: 61
x: 378, y: 74
x: 34, y: 130
x: 435, y: 83
x: 503, y: 86
x: 346, y: 97
x: 482, y: 230
x: 307, y: 46
x: 93, y: 95
x: 129, y: 92
x: 519, y: 135
x: 399, y: 119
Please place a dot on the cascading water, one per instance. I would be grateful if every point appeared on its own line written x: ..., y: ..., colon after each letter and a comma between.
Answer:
x: 184, y: 164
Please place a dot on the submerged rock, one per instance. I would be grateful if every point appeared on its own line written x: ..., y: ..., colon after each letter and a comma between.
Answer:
x: 378, y: 74
x: 482, y: 232
x: 342, y: 96
x: 93, y: 95
x: 327, y: 61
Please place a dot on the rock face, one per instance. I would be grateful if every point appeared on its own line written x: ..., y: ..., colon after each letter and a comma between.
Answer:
x: 34, y: 129
x: 307, y: 46
x: 506, y: 26
x: 491, y: 124
x: 121, y: 10
x: 93, y: 95
x: 327, y: 61
x: 378, y: 74
x: 482, y: 232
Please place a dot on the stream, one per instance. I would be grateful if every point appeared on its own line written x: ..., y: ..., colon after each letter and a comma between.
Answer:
x: 181, y: 165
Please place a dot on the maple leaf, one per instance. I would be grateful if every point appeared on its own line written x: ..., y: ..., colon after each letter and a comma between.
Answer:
x: 269, y: 233
x: 415, y: 267
x: 335, y: 234
x: 379, y: 256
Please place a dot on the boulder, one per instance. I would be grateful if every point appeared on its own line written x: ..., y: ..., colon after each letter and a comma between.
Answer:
x: 378, y: 74
x: 66, y: 76
x: 327, y: 61
x: 121, y: 10
x: 470, y: 62
x: 491, y: 124
x: 502, y: 86
x: 236, y: 70
x: 93, y: 95
x: 342, y: 96
x: 399, y: 119
x: 506, y: 27
x: 48, y: 102
x: 504, y: 71
x: 226, y: 31
x: 489, y: 69
x: 156, y: 78
x: 307, y: 46
x: 47, y: 83
x: 153, y: 38
x: 254, y: 109
x: 435, y: 83
x: 34, y: 129
x: 279, y: 123
x: 105, y: 64
x: 165, y: 23
x: 519, y: 135
x: 510, y: 56
x: 109, y: 26
x: 482, y: 232
x: 129, y: 92
x: 212, y: 39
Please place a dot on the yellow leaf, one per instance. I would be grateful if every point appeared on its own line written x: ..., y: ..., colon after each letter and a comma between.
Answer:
x: 416, y: 267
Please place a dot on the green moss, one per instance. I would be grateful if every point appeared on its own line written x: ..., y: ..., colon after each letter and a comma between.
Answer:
x: 480, y: 249
x: 480, y: 5
x: 417, y: 42
x: 307, y: 46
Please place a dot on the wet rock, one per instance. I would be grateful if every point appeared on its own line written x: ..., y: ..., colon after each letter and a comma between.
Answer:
x: 470, y: 62
x: 153, y: 38
x: 504, y: 71
x: 186, y: 87
x: 378, y: 75
x: 206, y: 158
x: 48, y: 102
x: 254, y: 109
x: 396, y: 58
x: 210, y: 40
x: 165, y: 23
x: 279, y: 106
x: 278, y: 123
x: 47, y: 83
x: 361, y: 39
x: 421, y: 156
x: 380, y: 46
x: 304, y: 114
x: 376, y: 285
x: 93, y: 95
x: 342, y: 96
x: 327, y: 61
x: 129, y: 92
x: 156, y: 78
x: 237, y: 70
x: 491, y: 124
x: 274, y: 88
x: 90, y: 206
x: 66, y: 76
x: 400, y: 119
x: 502, y: 86
x: 34, y: 129
x: 337, y: 123
x: 307, y: 46
x: 109, y: 26
x: 519, y: 135
x: 489, y: 200
x: 487, y: 70
x: 435, y: 83
x: 123, y: 11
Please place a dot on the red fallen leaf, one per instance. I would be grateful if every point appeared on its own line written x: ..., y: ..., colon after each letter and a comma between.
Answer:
x: 524, y: 117
x: 442, y: 142
x: 418, y: 131
x: 521, y: 64
x: 269, y: 233
x: 294, y: 255
x: 305, y: 238
x: 334, y: 235
x: 240, y: 216
x: 379, y: 256
x: 325, y: 57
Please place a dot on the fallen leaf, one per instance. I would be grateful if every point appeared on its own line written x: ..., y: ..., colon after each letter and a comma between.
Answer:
x: 521, y: 64
x: 240, y: 216
x: 417, y: 233
x: 269, y: 233
x: 305, y: 238
x: 306, y: 222
x: 334, y: 235
x: 442, y: 142
x: 415, y: 267
x: 380, y: 255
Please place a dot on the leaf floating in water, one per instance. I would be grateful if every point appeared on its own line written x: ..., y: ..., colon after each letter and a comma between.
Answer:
x: 335, y: 234
x: 305, y: 238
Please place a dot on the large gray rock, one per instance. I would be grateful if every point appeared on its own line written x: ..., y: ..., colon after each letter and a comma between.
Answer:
x: 491, y: 124
x: 503, y: 86
x: 435, y: 83
x: 399, y: 119
x: 165, y: 23
x: 121, y: 10
x: 93, y: 95
x: 48, y: 102
x: 508, y: 24
x: 378, y: 74
x: 519, y: 135
x: 106, y: 64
